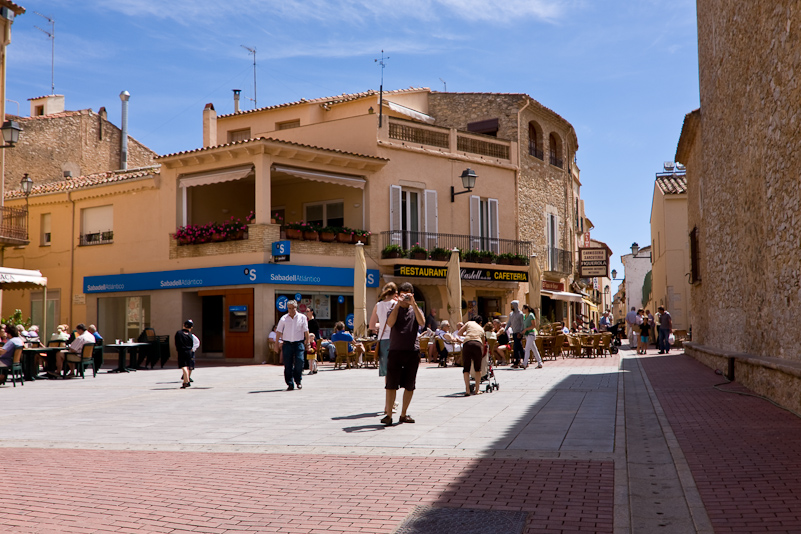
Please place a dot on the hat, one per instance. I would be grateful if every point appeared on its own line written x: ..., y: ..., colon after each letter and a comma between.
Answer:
x: 188, y: 323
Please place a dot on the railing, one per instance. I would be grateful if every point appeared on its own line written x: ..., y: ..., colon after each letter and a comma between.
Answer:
x: 97, y: 238
x: 423, y: 136
x: 463, y: 242
x: 558, y: 260
x: 557, y: 161
x: 480, y: 146
x: 533, y: 150
x: 14, y: 225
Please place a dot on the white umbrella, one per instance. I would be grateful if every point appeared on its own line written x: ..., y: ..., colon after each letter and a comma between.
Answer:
x: 454, y: 286
x: 360, y: 293
x: 534, y: 285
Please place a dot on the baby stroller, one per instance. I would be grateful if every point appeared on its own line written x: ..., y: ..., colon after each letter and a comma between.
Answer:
x: 487, y: 377
x: 615, y: 330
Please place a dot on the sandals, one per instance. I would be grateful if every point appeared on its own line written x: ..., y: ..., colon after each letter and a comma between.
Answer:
x: 387, y: 421
x: 405, y: 419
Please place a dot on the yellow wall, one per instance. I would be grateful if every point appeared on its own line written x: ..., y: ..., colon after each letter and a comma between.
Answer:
x: 671, y: 257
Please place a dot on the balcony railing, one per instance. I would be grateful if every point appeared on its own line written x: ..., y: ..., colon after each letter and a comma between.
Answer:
x: 480, y: 146
x: 436, y: 136
x: 557, y: 161
x: 535, y: 151
x: 14, y: 225
x: 97, y: 238
x: 558, y: 260
x: 463, y: 242
x: 423, y: 136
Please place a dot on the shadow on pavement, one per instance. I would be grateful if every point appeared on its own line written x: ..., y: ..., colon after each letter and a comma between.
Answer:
x: 363, y: 428
x: 356, y: 416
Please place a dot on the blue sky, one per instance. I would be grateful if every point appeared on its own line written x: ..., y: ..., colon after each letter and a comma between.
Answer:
x: 624, y: 73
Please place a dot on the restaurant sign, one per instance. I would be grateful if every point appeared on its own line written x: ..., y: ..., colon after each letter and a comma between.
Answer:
x: 552, y: 286
x: 593, y: 262
x: 483, y: 275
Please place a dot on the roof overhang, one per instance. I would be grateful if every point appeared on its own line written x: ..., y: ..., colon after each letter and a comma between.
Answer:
x: 409, y: 112
x: 562, y: 295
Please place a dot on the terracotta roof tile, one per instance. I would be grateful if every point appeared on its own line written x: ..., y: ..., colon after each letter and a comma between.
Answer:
x: 50, y: 116
x: 291, y: 143
x: 81, y: 182
x: 16, y: 8
x: 672, y: 184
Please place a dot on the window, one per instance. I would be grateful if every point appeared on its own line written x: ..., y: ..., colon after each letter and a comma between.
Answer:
x: 484, y: 232
x: 53, y: 311
x: 45, y: 230
x: 330, y: 213
x: 487, y: 127
x: 97, y: 225
x: 695, y: 262
x: 122, y: 317
x: 286, y: 125
x: 555, y: 150
x: 535, y: 140
x: 39, y: 111
x: 552, y: 240
x: 239, y: 135
x: 404, y: 216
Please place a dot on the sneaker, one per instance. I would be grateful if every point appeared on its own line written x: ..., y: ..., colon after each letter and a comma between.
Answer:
x: 290, y: 388
x: 539, y: 366
x: 300, y: 386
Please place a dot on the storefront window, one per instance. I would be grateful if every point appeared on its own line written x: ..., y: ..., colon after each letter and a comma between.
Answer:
x: 123, y: 317
x: 328, y: 308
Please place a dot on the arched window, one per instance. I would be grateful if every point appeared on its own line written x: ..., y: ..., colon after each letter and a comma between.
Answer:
x: 555, y: 149
x: 535, y: 140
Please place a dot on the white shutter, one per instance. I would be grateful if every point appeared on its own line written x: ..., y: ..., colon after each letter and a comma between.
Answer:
x: 475, y: 223
x: 96, y: 220
x: 494, y: 230
x: 395, y: 219
x: 431, y: 222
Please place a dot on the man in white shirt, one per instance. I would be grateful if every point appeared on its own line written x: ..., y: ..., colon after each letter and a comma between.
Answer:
x: 76, y: 347
x: 632, y: 320
x: 293, y: 331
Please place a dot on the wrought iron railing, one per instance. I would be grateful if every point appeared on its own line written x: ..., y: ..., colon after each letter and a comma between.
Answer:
x: 535, y: 151
x: 423, y: 136
x: 14, y: 224
x: 480, y: 146
x: 558, y: 162
x: 430, y: 241
x: 97, y: 238
x: 558, y: 260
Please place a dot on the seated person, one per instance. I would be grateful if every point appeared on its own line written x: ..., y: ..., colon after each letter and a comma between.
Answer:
x: 76, y: 347
x: 61, y: 334
x: 503, y: 347
x: 7, y: 352
x: 95, y: 334
x: 342, y: 335
x: 33, y: 334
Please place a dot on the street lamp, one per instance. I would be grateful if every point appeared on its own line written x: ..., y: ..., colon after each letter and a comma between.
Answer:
x: 11, y: 130
x: 27, y: 185
x: 468, y: 182
x: 635, y: 248
x: 614, y: 275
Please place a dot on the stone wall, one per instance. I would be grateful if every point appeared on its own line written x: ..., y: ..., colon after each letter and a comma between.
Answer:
x: 540, y: 184
x: 78, y: 141
x: 751, y: 277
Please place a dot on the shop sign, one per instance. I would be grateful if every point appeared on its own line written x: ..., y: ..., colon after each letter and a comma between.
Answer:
x: 593, y: 261
x: 349, y: 321
x: 281, y: 250
x: 280, y: 303
x: 231, y: 275
x: 484, y: 275
x: 552, y: 286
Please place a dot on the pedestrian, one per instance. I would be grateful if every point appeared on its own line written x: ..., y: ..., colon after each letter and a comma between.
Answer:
x: 665, y: 329
x: 652, y: 324
x: 195, y: 346
x: 632, y: 320
x: 472, y: 352
x: 293, y: 330
x: 530, y: 333
x: 645, y: 329
x: 404, y: 358
x: 183, y: 346
x: 378, y: 322
x: 314, y: 328
x: 515, y: 322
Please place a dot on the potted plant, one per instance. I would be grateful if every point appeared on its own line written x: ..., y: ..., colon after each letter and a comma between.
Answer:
x: 311, y: 232
x: 295, y: 230
x: 486, y: 256
x: 329, y: 234
x: 362, y: 235
x: 504, y: 259
x: 344, y: 236
x: 472, y: 256
x: 392, y: 252
x: 417, y: 252
x: 440, y: 254
x: 519, y: 259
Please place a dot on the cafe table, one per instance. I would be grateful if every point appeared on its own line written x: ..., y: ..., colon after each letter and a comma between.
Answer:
x: 29, y: 365
x: 122, y: 349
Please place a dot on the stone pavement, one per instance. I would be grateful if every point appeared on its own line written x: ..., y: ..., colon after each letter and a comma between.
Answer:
x: 582, y: 445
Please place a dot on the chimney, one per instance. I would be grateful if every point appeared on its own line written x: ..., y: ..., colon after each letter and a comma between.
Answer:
x: 209, y: 125
x: 236, y: 99
x: 124, y: 96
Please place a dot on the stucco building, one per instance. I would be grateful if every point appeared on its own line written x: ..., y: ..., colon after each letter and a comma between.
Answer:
x: 637, y: 266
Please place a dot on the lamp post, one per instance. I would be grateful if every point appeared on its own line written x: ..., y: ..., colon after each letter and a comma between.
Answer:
x: 11, y: 130
x: 27, y: 186
x: 468, y: 182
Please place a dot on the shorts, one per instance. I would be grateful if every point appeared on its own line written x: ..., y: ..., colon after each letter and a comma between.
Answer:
x: 402, y: 369
x: 186, y: 360
x: 472, y: 354
x: 383, y: 355
x: 644, y: 339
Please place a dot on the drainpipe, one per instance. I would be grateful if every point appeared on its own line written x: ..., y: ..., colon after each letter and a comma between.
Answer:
x: 72, y: 257
x: 124, y: 96
x: 517, y: 171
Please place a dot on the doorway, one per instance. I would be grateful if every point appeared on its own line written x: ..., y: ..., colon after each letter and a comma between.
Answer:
x: 228, y: 322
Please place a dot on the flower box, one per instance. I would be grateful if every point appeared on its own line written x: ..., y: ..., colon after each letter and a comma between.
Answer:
x: 311, y: 235
x: 342, y: 237
x: 391, y: 255
x: 328, y: 237
x: 294, y: 234
x: 419, y: 255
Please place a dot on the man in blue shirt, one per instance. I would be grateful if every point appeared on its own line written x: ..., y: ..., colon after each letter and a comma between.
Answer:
x: 342, y: 335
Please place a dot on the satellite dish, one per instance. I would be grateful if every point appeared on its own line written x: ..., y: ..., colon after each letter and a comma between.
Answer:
x: 668, y: 165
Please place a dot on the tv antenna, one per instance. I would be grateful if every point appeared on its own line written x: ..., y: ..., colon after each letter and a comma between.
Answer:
x: 255, y: 96
x: 381, y: 88
x: 445, y: 84
x: 52, y: 36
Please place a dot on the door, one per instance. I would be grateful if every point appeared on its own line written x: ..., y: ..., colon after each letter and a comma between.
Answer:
x: 235, y: 318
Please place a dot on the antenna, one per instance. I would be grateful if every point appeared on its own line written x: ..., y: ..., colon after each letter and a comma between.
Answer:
x: 444, y: 83
x: 255, y: 95
x: 52, y: 36
x: 381, y: 89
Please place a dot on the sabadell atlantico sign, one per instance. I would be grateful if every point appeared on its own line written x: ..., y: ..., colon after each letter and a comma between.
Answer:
x: 467, y: 273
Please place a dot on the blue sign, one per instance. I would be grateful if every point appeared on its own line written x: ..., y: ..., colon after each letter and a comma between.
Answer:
x: 341, y: 299
x: 298, y: 297
x: 349, y: 321
x: 234, y: 309
x: 280, y: 303
x: 281, y: 251
x: 231, y: 275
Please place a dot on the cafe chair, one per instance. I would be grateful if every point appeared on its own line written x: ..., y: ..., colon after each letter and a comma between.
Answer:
x: 84, y: 359
x: 370, y: 353
x: 606, y: 344
x: 56, y: 343
x: 343, y: 355
x: 558, y: 344
x: 424, y: 348
x: 16, y: 368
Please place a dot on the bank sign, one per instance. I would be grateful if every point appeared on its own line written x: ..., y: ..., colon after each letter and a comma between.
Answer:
x: 232, y: 275
x: 484, y: 275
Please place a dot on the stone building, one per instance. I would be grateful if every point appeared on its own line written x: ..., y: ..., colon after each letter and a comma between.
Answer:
x: 57, y: 143
x: 744, y: 194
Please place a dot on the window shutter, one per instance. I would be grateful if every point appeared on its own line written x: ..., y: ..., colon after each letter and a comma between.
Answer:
x: 99, y: 219
x: 431, y: 222
x: 475, y: 223
x: 395, y: 219
x: 494, y: 230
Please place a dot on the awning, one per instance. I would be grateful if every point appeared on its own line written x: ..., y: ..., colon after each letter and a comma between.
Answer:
x: 591, y: 304
x: 562, y: 295
x: 322, y: 176
x: 409, y: 112
x: 215, y: 177
x: 21, y: 279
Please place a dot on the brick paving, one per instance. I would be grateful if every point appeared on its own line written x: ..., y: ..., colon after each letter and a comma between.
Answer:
x: 744, y: 452
x: 80, y: 491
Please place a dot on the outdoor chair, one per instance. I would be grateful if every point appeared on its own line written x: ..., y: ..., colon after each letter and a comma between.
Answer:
x: 16, y: 368
x: 558, y: 343
x: 84, y: 359
x: 424, y: 348
x: 343, y: 355
x: 606, y: 344
x: 370, y: 354
x: 56, y: 343
x: 539, y: 342
x: 575, y: 346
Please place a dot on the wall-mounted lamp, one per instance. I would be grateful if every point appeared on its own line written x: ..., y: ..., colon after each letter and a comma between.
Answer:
x: 11, y: 130
x: 468, y: 182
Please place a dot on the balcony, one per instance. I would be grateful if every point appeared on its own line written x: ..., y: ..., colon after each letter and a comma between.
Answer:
x: 430, y: 241
x: 449, y: 140
x: 14, y: 226
x: 559, y: 261
x: 97, y: 238
x: 535, y: 151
